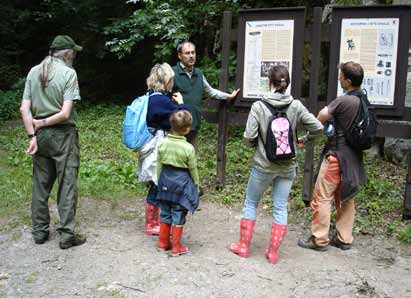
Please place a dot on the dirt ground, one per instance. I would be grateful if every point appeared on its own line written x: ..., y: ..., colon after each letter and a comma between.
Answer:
x: 119, y: 260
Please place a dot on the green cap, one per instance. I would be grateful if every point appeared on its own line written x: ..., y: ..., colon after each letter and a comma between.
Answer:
x: 63, y: 42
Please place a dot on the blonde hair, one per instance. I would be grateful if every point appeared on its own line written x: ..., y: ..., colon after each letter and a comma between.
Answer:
x: 160, y: 78
x: 180, y: 121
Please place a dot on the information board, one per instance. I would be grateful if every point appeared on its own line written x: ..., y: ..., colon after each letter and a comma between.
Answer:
x: 268, y: 37
x: 267, y: 43
x: 373, y: 43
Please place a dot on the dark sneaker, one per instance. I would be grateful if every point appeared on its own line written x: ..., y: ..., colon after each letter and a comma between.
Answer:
x: 309, y: 243
x: 339, y: 244
x: 41, y: 240
x: 76, y: 241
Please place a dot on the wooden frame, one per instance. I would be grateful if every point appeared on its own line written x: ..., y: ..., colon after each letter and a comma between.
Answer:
x: 394, y: 121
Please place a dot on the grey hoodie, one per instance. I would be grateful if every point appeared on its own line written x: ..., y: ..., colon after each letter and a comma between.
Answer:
x: 257, y: 124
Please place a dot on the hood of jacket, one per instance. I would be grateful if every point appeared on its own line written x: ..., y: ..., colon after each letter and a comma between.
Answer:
x: 278, y: 100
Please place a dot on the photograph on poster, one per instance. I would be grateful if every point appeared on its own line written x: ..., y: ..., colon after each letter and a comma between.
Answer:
x: 267, y: 65
x: 372, y: 42
x: 267, y: 43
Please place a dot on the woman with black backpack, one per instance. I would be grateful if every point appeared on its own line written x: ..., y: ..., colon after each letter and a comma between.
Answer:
x: 271, y: 127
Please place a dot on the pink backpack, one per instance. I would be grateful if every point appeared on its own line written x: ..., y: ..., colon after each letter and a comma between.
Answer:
x: 279, y: 143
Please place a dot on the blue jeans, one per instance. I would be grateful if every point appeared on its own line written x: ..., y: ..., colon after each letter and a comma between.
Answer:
x: 258, y: 182
x: 172, y: 213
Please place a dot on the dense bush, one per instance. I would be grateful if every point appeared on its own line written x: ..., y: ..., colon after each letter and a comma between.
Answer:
x: 8, y: 75
x: 10, y: 101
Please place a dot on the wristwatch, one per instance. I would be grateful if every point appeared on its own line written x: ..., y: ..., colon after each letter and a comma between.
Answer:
x: 31, y: 135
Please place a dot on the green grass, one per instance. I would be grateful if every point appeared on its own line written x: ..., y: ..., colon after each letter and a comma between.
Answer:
x: 107, y: 168
x: 107, y: 172
x: 404, y: 235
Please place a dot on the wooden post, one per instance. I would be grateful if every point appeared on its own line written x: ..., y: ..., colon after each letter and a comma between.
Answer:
x: 313, y: 100
x: 222, y: 107
x: 407, y: 197
x: 406, y: 215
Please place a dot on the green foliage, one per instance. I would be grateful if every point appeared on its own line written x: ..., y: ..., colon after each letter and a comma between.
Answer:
x: 22, y: 44
x: 9, y: 74
x: 212, y: 67
x: 167, y: 23
x: 107, y: 167
x: 158, y: 21
x: 10, y: 101
x: 378, y: 198
x: 404, y: 235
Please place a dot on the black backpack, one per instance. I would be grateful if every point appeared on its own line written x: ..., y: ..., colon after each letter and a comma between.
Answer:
x: 363, y: 131
x: 279, y: 143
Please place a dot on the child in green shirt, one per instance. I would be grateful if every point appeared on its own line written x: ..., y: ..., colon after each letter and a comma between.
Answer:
x: 178, y: 182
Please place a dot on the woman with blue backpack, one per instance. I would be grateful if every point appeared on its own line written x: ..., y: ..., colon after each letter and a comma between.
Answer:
x: 271, y: 128
x: 161, y: 104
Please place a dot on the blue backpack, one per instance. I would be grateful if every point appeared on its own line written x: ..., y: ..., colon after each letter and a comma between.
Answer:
x: 135, y: 130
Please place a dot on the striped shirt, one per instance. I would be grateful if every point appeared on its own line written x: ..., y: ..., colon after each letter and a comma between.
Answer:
x: 177, y: 152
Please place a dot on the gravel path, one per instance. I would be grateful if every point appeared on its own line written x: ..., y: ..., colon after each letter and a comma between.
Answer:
x: 119, y: 260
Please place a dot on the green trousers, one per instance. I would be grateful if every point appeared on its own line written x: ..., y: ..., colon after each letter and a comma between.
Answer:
x: 58, y: 156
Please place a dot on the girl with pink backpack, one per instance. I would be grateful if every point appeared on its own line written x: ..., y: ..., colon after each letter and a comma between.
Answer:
x: 271, y: 127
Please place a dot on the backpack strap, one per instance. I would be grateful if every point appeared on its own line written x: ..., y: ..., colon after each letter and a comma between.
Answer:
x: 272, y: 110
x: 335, y: 140
x: 270, y: 107
x: 153, y: 93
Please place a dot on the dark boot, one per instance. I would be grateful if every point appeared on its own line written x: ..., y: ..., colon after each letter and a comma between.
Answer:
x: 176, y: 247
x: 164, y: 238
x: 152, y: 223
x: 76, y: 241
x: 339, y: 244
x: 276, y: 238
x: 242, y: 248
x: 310, y: 244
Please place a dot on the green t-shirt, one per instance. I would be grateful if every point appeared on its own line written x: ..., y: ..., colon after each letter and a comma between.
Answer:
x: 62, y: 85
x: 177, y: 152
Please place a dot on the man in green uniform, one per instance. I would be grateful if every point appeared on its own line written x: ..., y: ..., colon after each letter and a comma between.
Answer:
x: 192, y: 84
x: 50, y: 121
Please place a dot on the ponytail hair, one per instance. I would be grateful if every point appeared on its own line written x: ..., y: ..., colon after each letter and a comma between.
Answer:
x: 46, y: 64
x: 279, y: 78
x: 45, y: 70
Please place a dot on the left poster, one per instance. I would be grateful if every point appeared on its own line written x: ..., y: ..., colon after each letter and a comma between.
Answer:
x: 267, y: 43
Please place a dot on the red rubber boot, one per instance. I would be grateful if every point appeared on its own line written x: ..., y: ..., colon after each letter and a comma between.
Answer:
x: 152, y: 223
x: 242, y: 248
x: 176, y: 247
x: 276, y: 238
x: 164, y: 238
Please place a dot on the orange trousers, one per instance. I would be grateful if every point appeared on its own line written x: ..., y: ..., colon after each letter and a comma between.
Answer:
x: 326, y: 192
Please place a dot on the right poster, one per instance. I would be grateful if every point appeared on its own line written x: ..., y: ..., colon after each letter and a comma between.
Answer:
x: 373, y: 43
